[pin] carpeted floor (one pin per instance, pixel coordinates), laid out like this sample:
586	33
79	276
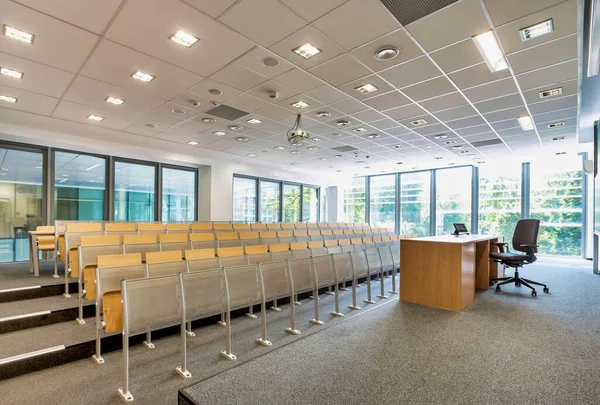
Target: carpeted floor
506	348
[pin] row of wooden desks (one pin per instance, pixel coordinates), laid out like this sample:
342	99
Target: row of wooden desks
444	271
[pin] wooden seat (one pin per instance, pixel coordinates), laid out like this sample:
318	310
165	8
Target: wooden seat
330	243
203	240
222	226
288	226
112	261
151	228
197	254
119	228
279	247
179	228
241	227
313	244
298	245
343	242
256	249
163	257
201	227
230	251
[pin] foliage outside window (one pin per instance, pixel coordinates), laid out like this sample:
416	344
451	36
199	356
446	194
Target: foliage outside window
269	201
291	203
499	200
244	199
310	204
355	201
178	195
383	201
453	198
556	200
415	206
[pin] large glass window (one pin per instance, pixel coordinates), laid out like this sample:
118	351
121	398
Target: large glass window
415	203
178	195
310	204
79	186
453	198
134	192
21	177
291	203
499	199
355	201
269	201
383	201
244	199
556	200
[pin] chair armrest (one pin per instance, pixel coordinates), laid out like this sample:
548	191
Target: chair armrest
501	246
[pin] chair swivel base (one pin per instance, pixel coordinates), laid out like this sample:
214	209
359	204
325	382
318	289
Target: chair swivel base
518	281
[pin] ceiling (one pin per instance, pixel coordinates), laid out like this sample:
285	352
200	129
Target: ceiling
84	52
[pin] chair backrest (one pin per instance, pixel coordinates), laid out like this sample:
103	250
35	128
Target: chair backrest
244	285
163	257
109	279
241	227
174	241
203	240
166	268
200	254
205	293
222	226
256	258
151	228
202	227
274	226
258	226
302	274
139	239
526	233
178	228
288	226
342	263
203	264
286	236
269	237
275	279
250	238
323	267
359	263
256	249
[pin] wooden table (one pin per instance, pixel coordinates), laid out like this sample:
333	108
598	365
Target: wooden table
443	271
34	258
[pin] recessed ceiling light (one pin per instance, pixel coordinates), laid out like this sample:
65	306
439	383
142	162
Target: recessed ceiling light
464	151
242	139
8	99
296	143
536	30
270	62
336	135
552	92
322	158
342	123
316	139
490	50
414	168
418	122
295	151
457	146
144	77
312	148
219	133
556	124
193	143
398	146
366	89
279	148
3	174
429	147
11	73
360	129
561	153
235	127
6	169
18	34
481	162
215	92
323	114
338	170
95	117
374	136
151	125
307	50
300	104
450	142
253	121
386	53
451	164
338	156
251	154
183	38
526	123
177	111
209	120
558	138
360	162
114	100
294	164
439	158
367	167
399	163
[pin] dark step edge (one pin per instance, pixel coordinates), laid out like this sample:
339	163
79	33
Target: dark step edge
57	316
32	292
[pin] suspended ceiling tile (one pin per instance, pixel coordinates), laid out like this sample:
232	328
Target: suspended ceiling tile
499	103
79	113
456	113
569	88
239	77
326	94
492	90
411	72
504	11
351	88
429	89
477	75
299	80
340	70
444	102
210	7
544	55
552	74
253	60
27	101
457	56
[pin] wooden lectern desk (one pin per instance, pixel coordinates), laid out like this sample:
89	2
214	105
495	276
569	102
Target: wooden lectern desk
443	271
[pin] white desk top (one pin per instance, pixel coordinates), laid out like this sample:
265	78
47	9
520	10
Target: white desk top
452	239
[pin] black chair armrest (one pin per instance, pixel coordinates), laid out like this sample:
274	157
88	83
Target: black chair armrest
501	246
530	248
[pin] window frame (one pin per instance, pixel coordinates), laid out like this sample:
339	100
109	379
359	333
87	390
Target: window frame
194	170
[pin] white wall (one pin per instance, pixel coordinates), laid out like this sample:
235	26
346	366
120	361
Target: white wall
217	168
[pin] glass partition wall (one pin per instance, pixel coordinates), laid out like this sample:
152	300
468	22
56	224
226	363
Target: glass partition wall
134	192
415	203
453	198
269	201
179	195
382	204
244	199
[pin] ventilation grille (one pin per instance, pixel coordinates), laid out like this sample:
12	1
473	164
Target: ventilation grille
487	142
344	149
227	113
407	11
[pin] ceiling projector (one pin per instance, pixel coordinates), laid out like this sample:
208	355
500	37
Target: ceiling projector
296	133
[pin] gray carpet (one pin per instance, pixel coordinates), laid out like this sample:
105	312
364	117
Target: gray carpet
16	275
505	348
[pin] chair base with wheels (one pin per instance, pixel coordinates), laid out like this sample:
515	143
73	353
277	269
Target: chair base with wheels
518	281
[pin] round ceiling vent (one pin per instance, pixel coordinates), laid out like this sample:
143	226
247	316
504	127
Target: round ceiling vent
215	92
387	53
270	62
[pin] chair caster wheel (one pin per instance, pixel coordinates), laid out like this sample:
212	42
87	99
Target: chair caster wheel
546	290
497	288
533	293
517	285
491	283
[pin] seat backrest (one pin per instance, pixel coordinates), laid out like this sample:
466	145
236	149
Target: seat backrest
241	227
201	227
256	249
373	260
359	263
321	251
222	227
244	285
151	227
334	250
302	274
203	240
256	258
526	233
130	239
177	228
204	293
274	227
109	279
342	263
172	237
323	267
250	238
275	279
204	264
288	226
163	257
199	254
166	268
258	226
300	225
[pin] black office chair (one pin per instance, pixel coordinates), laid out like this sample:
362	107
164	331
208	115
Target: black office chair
525	242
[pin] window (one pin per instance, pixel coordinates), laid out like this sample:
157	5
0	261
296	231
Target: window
79	186
21	179
499	199
244	199
355	200
134	192
178	195
453	198
383	201
310	204
415	203
269	201
291	203
556	200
